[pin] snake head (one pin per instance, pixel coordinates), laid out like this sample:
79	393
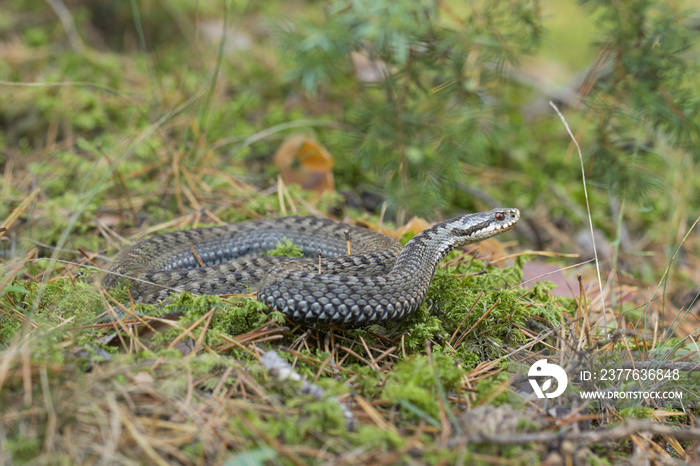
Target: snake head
470	228
437	241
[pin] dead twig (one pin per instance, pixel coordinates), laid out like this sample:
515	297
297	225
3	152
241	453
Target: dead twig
596	436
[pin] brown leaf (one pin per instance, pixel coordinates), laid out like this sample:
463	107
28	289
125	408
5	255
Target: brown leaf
415	226
306	162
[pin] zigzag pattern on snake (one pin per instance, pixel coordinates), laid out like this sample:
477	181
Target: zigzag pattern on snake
380	281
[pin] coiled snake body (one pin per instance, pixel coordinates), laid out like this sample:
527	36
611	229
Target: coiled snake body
380	281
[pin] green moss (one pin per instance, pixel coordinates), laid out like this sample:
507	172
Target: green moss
490	391
36	37
323	416
414	384
23	449
231	317
374	437
69	299
286	249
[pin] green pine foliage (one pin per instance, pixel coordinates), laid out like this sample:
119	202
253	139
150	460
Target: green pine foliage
445	97
435	104
644	97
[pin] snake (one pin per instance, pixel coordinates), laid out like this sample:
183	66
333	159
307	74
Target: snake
379	281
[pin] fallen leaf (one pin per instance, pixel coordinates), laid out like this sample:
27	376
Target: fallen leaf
304	161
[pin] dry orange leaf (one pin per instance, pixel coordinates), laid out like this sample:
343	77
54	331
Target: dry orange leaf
415	226
491	248
304	161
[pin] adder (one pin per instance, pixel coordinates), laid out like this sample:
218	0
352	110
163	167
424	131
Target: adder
380	281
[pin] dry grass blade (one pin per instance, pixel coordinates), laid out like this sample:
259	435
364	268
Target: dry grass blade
189	330
466	315
14	215
588	209
197	258
591	437
140	438
16	269
373	414
483	316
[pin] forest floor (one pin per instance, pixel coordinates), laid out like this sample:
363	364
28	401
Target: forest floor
108	151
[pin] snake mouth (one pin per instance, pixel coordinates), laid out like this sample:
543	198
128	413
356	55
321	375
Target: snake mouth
509	218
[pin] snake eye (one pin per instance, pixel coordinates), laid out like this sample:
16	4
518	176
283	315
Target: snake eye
500	216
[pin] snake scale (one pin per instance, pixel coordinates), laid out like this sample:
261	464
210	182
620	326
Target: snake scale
380	281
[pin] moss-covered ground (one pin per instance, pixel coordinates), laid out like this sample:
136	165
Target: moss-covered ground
122	120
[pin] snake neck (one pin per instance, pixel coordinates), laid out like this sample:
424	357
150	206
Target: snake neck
427	249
